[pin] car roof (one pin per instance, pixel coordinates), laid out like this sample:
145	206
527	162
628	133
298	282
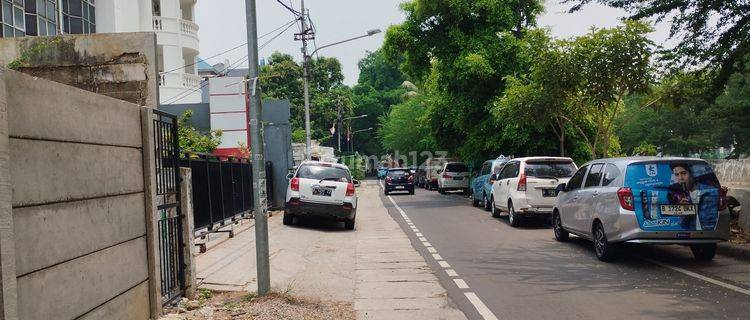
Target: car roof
541	158
398	169
323	163
624	161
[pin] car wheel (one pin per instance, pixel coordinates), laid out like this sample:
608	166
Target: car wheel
703	251
288	219
605	251
386	191
560	233
485	203
349	224
495	211
474	202
512	218
441	190
411	191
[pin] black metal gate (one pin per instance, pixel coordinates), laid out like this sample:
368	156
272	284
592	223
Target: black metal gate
171	242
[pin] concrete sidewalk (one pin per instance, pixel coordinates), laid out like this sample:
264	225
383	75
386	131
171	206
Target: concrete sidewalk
374	267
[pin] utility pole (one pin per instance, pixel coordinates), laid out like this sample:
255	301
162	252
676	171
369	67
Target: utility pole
252	88
339	120
304	37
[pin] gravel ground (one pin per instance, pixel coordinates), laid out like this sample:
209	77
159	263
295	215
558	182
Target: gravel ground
739	236
236	305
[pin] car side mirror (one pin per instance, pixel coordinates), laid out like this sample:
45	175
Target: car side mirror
561	188
356	183
493	178
290	176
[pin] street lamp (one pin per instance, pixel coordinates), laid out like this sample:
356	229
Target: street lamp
340	123
305	76
351	139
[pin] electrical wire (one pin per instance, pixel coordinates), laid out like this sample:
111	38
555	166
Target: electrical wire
236	64
233	48
289	8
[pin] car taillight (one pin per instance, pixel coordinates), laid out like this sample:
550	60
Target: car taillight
295	184
626	198
723	198
388	179
522	183
446	176
434	179
349	189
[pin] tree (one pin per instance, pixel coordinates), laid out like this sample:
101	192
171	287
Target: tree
191	140
404	130
733	109
711	34
459	53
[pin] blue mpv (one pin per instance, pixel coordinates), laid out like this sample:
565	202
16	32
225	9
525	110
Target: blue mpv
482	186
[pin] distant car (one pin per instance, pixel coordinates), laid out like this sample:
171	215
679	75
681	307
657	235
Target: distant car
526	187
322	189
399	179
454	176
382	172
482	184
432	167
644	200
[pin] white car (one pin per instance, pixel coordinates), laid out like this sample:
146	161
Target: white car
526	187
453	176
322	189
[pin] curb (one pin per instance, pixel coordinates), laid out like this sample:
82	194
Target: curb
741	252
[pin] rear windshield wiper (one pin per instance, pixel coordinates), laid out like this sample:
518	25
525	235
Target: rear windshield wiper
545	177
329	179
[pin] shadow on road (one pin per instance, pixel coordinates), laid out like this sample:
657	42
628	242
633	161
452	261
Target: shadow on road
320	224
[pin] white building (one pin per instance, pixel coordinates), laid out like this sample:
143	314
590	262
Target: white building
177	40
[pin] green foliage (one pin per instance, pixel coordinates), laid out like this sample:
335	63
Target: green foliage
404	129
356	164
710	34
37	51
282	79
299	136
645	149
191	140
733	109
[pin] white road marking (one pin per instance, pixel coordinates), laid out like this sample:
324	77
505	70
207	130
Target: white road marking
473	298
700	276
461	283
480	306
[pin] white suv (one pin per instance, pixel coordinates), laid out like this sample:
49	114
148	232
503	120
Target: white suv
525	187
453	176
322	189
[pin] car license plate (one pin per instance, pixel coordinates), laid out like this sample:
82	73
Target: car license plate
458	178
549	193
678	210
400	187
324	192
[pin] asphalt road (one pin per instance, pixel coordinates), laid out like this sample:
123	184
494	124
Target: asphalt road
492	270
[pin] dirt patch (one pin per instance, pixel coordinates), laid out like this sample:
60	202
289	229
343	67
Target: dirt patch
238	305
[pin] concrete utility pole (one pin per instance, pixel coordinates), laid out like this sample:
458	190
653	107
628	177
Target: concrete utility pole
252	87
306	76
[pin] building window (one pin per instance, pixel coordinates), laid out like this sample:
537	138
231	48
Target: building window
79	16
12	20
41	17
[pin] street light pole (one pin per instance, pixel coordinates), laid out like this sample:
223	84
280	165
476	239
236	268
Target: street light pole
351	139
306	64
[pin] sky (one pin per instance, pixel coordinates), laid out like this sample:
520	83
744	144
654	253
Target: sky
222	26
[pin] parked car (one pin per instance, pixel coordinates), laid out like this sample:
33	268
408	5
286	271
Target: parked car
454	176
322	189
525	187
381	173
482	184
399	179
419	177
432	168
644	200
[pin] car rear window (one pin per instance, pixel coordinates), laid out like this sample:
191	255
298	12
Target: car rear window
398	173
456	167
550	169
323	172
676	176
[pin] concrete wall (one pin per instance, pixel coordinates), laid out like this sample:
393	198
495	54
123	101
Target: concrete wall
735	174
79	202
122	65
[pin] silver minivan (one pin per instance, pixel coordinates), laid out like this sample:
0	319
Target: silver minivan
649	200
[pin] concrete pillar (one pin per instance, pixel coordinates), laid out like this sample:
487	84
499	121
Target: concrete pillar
146	14
152	218
188	225
8	291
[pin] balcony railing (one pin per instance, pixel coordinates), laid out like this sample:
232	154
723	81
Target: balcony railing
175	25
184	80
